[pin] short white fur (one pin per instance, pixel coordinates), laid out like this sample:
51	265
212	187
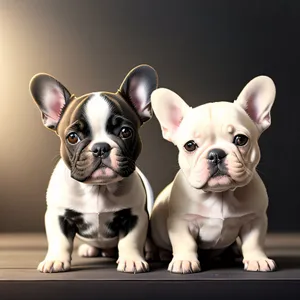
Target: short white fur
189	210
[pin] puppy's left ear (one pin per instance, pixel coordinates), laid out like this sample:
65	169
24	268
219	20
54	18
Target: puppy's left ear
257	99
137	88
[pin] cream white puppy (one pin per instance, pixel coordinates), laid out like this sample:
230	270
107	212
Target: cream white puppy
217	196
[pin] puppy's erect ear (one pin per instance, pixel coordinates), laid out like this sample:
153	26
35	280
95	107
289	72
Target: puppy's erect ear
170	110
51	97
257	99
137	87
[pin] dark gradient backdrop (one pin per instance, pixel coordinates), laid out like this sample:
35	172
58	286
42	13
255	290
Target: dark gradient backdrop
204	50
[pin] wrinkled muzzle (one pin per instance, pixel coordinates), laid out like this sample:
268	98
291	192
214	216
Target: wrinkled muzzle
101	163
218	170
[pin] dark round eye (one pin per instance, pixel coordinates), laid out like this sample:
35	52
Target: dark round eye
125	133
73	138
240	140
190	146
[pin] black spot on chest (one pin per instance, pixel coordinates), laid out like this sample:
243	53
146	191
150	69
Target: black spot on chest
73	222
122	223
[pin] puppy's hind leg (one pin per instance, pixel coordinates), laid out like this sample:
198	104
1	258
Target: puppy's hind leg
86	250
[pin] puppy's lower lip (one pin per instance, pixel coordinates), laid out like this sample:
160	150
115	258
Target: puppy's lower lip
102	171
98	173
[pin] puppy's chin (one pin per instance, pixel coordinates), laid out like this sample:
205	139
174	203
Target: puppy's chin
103	176
220	183
226	182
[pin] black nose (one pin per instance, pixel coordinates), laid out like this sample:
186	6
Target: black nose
215	156
101	149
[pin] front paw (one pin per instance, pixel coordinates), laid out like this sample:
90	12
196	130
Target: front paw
259	265
184	266
132	265
54	266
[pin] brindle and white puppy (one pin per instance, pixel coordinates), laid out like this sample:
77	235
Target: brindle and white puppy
96	191
217	196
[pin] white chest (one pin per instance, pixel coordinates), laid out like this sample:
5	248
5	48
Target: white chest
215	222
99	213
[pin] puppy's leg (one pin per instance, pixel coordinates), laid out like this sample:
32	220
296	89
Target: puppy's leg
131	246
252	237
60	235
184	246
86	250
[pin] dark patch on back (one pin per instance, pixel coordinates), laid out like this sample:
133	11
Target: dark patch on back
122	223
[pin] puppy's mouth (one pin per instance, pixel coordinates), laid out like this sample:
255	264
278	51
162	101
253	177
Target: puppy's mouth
219	178
102	170
103	174
95	173
218	172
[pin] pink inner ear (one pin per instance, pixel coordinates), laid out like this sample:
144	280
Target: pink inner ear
56	103
175	116
138	95
251	108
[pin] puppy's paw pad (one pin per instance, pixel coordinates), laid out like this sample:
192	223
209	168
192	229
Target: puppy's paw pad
86	250
184	266
132	265
260	265
54	266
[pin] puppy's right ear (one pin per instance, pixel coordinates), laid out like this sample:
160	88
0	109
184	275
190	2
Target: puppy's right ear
170	110
51	98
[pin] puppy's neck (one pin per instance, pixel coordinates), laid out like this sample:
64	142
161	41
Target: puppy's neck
122	186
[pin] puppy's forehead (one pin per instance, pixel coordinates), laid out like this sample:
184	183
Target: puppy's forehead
93	109
211	116
96	112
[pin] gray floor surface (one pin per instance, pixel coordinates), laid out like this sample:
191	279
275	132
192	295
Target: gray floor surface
21	253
